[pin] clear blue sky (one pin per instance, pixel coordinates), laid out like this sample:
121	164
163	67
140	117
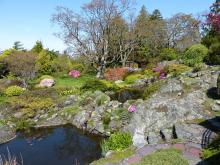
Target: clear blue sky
29	20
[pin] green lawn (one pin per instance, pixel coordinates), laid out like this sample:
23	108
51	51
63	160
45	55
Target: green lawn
73	82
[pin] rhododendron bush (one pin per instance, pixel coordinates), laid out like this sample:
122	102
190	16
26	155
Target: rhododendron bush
74	73
160	71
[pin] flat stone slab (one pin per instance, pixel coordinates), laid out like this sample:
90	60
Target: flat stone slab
146	150
6	134
181	147
133	159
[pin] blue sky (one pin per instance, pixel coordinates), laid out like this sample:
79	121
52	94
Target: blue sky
29	20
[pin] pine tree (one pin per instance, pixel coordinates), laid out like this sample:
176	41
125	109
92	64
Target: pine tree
38	47
18	45
156	15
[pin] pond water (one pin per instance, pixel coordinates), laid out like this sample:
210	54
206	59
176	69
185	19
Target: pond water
54	146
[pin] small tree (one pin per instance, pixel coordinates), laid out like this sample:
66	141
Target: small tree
38	47
45	62
18	45
195	55
22	64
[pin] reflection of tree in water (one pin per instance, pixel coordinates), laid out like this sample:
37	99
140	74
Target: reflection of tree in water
78	147
36	133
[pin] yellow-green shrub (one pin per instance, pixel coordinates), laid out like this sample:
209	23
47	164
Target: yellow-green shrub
14	91
176	69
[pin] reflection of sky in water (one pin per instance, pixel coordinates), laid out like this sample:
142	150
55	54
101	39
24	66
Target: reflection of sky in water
54	146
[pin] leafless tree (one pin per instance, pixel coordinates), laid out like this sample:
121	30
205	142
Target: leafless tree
182	31
88	33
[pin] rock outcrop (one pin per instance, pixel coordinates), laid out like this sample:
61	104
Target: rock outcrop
178	100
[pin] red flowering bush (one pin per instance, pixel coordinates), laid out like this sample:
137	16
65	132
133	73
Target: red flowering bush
74	73
116	74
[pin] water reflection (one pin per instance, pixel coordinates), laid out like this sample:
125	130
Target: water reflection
55	146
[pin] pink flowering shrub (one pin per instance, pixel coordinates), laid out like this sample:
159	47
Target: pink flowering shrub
74	73
161	72
132	108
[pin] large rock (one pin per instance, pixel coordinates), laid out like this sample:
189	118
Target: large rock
193	133
167	107
6	134
47	82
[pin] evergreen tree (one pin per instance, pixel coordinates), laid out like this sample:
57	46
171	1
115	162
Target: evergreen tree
38	47
156	15
18	45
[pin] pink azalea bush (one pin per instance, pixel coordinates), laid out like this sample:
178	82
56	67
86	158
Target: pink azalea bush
132	108
160	71
74	73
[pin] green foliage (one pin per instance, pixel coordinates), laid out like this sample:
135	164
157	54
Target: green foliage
102	99
212	152
214	54
66	92
94	85
29	105
38	47
133	77
218	84
72	110
6	53
176	69
149	73
164	157
45	63
115	157
122	113
61	64
116	142
151	89
73	82
106	118
18	45
168	54
22	124
195	55
14	91
3	69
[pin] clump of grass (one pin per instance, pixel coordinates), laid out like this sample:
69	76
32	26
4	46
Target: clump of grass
164	157
115	157
116	142
9	159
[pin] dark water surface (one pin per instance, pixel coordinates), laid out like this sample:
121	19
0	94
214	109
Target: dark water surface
54	146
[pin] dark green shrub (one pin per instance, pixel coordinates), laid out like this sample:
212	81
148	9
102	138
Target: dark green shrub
195	55
212	153
168	54
214	54
14	91
3	69
218	84
116	142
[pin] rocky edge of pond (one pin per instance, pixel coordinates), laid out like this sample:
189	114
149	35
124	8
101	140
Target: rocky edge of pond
166	115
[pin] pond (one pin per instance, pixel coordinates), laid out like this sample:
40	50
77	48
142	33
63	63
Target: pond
54	146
